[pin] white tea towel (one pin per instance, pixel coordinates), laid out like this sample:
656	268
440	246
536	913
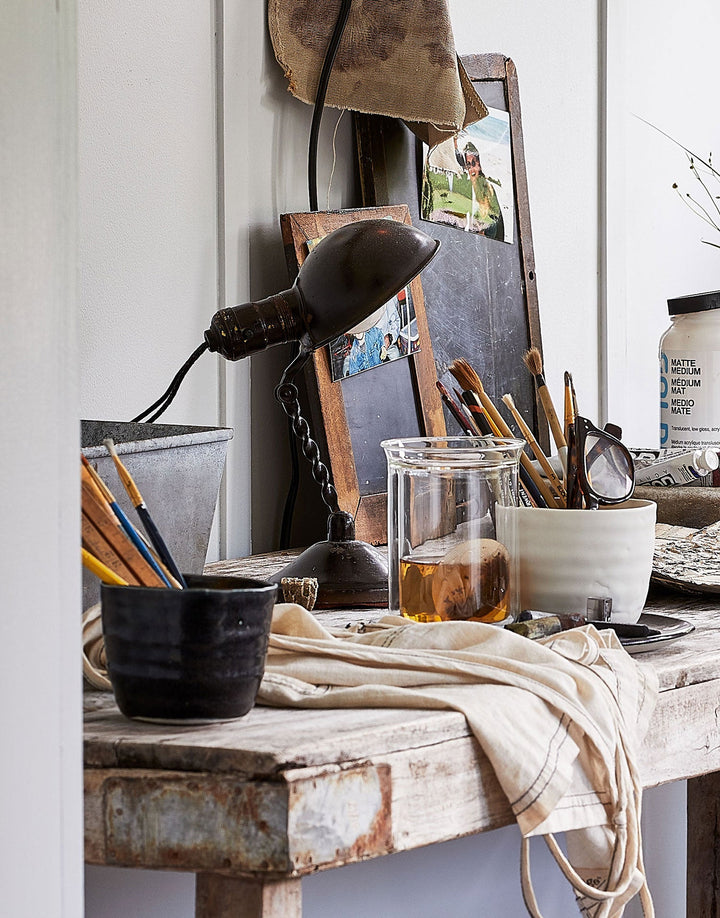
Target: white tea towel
568	765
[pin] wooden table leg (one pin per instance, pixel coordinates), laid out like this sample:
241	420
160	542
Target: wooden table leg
703	846
219	896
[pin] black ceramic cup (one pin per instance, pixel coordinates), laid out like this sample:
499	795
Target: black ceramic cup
187	656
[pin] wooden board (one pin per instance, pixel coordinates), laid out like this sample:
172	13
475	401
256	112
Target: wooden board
285	792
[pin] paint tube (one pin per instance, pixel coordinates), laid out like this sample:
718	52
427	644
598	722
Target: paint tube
666	468
644	457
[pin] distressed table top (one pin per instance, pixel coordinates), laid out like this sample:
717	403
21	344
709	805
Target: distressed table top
283	792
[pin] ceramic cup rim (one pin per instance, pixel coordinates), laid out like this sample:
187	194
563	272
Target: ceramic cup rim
632	503
240	585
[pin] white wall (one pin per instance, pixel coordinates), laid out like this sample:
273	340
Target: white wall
178	215
40	684
666	73
151	259
147	204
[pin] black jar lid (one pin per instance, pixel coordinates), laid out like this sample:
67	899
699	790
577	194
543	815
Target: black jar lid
697	302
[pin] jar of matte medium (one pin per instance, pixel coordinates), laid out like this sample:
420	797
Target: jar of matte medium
690	373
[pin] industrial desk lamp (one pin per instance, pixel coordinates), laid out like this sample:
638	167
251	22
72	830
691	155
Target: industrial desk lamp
348	275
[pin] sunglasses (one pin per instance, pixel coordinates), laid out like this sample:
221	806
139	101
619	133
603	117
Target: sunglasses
600	469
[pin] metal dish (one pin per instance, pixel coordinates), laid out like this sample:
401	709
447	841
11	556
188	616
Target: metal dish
670	630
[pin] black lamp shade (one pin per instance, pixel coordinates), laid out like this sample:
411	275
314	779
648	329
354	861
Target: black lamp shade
348	275
355	270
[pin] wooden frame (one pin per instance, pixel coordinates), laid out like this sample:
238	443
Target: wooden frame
401	396
473	282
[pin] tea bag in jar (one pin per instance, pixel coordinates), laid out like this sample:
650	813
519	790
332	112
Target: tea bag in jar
472	582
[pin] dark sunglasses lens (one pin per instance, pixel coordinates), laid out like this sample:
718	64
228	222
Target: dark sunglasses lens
608	468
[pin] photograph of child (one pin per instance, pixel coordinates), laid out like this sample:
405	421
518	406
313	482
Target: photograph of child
388	334
467	180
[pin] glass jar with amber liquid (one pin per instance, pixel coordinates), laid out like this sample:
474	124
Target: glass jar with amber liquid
451	546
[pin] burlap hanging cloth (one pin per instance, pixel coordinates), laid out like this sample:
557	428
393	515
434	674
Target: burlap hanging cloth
396	59
560	721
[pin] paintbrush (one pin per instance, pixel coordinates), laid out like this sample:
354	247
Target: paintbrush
473	419
533	361
455	410
145	518
528	493
553	480
569	407
469	379
474	406
105	538
472	386
573	398
130	530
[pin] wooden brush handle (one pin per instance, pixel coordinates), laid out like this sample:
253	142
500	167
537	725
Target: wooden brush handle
568	414
135	569
498	421
127	481
538	481
553	480
552	418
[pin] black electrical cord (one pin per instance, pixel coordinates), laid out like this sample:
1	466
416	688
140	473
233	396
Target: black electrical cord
163	403
293	487
320	94
327	66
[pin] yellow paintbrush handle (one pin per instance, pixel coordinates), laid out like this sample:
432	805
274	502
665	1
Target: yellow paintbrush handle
125	476
101	570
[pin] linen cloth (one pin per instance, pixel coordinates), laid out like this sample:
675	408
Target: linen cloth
567	763
395	59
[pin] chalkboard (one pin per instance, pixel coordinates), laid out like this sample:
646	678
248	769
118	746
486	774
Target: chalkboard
480	293
377	404
353	414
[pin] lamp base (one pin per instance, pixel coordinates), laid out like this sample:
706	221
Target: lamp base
350	573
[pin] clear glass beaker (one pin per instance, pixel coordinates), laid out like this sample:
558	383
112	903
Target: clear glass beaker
451	549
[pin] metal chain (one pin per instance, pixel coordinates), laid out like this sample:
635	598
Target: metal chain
287	394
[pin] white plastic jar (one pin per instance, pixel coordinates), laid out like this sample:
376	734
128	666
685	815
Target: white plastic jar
690	373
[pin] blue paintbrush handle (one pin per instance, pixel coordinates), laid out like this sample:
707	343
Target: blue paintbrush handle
138	542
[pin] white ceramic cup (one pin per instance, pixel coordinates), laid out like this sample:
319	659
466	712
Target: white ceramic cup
566	557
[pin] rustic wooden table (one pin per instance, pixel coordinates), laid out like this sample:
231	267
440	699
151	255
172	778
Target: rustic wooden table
252	806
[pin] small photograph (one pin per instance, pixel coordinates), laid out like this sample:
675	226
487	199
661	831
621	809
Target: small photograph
388	334
468	181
